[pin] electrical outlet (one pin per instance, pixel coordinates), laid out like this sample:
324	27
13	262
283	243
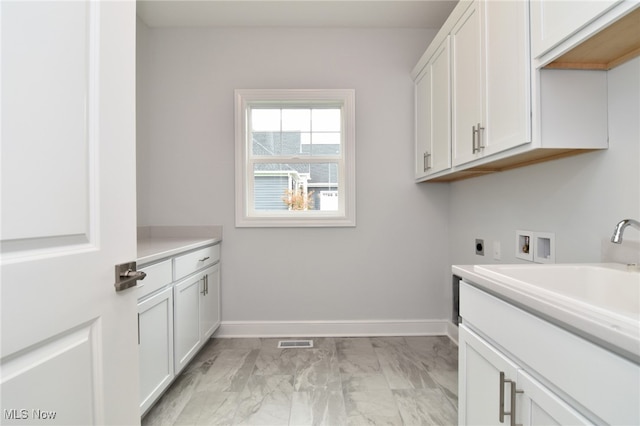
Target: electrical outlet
479	247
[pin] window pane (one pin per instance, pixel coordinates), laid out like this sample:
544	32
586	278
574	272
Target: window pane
322	145
327	139
326	120
265	120
291	143
266	143
296	120
296	138
276	143
306	186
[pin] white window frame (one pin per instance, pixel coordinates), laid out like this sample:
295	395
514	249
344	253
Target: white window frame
246	216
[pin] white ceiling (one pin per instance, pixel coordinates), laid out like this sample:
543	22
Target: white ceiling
296	13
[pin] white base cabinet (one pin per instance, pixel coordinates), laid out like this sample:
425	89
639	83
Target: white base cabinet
479	399
210	303
155	346
539	406
494	389
197	313
512	361
187	320
178	310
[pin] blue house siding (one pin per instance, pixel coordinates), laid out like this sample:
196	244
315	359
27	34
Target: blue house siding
269	191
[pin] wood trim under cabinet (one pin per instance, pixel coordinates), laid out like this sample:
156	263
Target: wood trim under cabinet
607	49
513	162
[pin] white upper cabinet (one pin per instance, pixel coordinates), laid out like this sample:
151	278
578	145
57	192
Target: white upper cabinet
433	114
506	111
596	35
507	79
491	79
441	109
466	47
554	21
423	122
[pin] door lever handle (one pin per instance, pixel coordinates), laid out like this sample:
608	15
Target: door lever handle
127	276
131	273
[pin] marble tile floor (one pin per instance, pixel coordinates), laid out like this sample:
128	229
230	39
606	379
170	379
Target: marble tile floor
340	381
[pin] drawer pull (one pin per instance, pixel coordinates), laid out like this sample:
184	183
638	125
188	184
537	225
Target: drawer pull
203	259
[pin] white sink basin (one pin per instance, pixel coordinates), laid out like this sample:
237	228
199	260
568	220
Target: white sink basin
610	288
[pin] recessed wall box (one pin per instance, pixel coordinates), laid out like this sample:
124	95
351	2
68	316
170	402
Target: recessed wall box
544	247
524	245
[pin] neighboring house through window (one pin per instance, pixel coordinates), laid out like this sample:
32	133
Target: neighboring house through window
295	162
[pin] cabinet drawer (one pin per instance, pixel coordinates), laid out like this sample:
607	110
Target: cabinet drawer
191	262
158	276
594	377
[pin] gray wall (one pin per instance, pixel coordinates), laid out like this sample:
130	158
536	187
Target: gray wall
396	263
580	198
393	265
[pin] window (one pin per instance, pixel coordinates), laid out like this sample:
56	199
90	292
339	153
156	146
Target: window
295	162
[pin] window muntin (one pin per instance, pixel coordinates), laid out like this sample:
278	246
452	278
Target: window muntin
295	158
295	131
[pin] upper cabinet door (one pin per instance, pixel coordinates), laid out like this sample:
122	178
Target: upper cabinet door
466	85
441	109
433	114
423	122
507	79
552	21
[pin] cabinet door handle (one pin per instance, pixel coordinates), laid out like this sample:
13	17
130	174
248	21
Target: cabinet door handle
425	160
480	132
204	286
473	139
512	414
501	402
476	138
514	391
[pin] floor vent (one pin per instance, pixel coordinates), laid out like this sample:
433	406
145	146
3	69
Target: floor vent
298	344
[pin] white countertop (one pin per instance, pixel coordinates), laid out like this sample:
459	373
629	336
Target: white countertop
618	335
151	249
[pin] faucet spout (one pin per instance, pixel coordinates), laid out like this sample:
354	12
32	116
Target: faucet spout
620	227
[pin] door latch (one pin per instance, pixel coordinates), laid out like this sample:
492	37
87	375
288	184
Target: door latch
127	276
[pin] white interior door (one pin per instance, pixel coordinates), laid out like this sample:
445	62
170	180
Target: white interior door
69	341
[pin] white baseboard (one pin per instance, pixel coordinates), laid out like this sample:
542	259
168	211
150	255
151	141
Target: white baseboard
336	328
452	332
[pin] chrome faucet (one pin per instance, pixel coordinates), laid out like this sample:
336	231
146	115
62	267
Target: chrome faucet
619	230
